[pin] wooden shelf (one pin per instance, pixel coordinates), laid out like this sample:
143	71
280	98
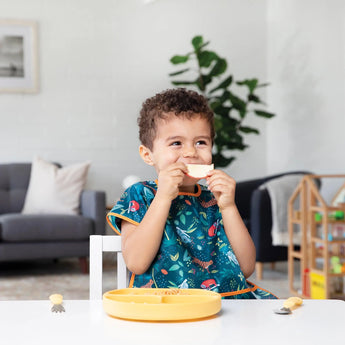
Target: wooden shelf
321	209
315	270
296	255
317	240
322	282
330	221
296	221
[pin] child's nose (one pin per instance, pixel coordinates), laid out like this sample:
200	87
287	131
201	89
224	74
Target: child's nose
189	151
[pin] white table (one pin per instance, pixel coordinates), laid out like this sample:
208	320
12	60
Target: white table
239	322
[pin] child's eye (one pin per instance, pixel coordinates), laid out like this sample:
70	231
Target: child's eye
201	142
175	143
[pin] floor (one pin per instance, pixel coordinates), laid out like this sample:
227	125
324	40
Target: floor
38	280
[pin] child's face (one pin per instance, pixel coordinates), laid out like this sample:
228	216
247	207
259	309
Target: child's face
181	140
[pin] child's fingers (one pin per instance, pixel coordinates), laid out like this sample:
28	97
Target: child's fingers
181	166
215	174
222	188
176	170
223	185
226	181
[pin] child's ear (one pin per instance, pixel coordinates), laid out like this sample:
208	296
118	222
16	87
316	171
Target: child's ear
146	154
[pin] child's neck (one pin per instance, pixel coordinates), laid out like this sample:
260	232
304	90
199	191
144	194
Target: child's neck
188	189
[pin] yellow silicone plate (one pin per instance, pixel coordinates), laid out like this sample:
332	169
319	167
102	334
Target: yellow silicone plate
161	304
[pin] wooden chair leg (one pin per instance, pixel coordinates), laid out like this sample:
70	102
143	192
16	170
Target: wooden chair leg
273	266
84	265
259	266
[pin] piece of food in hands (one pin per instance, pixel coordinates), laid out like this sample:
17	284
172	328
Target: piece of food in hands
199	171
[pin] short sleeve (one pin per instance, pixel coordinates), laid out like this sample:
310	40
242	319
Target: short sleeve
131	207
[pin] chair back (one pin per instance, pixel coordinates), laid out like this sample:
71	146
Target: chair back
98	245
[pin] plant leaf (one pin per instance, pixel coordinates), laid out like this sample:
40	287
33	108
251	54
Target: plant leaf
179	72
221	110
229	141
263	85
219	68
179	59
202	81
183	82
224	84
250	83
254	98
238	104
206	57
225	96
263	113
221	161
245	129
197	42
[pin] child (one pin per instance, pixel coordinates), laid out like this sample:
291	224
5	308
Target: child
175	232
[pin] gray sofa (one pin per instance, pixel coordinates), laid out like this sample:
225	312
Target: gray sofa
43	236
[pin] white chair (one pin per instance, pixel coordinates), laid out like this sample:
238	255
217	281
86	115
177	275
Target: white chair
98	245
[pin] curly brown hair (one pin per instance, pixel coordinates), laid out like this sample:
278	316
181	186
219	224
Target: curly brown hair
181	102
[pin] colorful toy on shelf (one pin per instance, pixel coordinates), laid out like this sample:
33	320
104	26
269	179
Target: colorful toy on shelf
337	215
336	265
317	286
338	231
318	217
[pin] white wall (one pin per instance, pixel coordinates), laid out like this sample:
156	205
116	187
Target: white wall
100	59
306	66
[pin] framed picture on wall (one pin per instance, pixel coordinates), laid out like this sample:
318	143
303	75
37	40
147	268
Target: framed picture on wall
18	56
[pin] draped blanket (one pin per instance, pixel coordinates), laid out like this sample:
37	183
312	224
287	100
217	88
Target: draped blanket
280	191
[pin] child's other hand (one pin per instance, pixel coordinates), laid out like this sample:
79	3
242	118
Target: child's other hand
223	188
170	179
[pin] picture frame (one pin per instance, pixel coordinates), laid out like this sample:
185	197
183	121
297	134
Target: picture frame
18	56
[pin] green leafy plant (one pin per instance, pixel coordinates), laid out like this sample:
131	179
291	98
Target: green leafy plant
206	73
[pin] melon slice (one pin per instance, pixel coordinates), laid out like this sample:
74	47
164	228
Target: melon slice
199	171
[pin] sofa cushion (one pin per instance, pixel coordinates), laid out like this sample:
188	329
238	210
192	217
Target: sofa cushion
17	227
53	189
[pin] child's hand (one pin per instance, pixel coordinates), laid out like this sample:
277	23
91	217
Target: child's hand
170	179
223	188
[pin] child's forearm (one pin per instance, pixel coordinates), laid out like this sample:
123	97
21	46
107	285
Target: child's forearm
140	243
239	239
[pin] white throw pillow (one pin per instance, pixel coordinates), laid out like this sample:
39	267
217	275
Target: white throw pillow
53	189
